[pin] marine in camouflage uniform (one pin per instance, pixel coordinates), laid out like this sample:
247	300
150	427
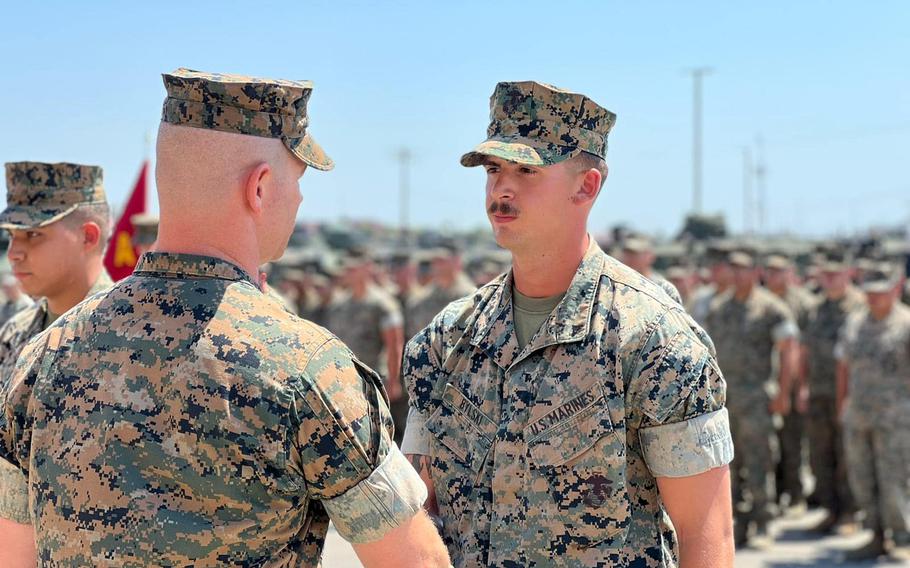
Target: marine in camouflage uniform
11	307
748	323
638	253
185	418
145	231
449	284
547	453
361	316
781	282
718	258
874	354
826	450
39	195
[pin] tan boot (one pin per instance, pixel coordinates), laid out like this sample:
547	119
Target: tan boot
869	551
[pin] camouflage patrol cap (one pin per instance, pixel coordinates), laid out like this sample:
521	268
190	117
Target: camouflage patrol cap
865	264
678	273
718	252
270	108
38	194
638	244
741	259
833	266
540	125
145	228
882	278
778	262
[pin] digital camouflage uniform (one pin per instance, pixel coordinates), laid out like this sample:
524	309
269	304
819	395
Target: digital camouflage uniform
359	323
826	449
185	418
637	244
10	308
745	334
547	455
793	426
667	286
877	415
423	306
38	194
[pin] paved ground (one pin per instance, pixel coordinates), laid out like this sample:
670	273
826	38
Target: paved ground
794	547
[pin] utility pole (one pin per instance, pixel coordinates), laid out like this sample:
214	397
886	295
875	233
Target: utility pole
761	172
698	74
748	172
404	167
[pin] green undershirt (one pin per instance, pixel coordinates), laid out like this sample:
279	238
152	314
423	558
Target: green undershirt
530	313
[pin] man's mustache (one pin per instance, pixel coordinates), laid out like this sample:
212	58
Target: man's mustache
503	208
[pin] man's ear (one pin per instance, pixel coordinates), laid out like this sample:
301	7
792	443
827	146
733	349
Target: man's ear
254	186
589	188
91	235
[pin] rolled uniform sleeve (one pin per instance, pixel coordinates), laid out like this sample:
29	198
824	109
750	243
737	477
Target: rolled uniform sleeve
846	337
680	394
15	437
786	329
391	315
13	494
344	449
416	436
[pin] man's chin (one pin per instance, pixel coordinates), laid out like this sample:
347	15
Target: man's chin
33	289
504	237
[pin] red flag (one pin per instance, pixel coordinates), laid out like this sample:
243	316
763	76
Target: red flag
121	255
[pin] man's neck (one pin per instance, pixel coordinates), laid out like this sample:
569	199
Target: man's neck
742	293
881	315
358	290
183	240
836	295
779	291
77	289
541	273
446	282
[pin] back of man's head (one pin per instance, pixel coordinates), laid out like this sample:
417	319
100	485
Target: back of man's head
230	151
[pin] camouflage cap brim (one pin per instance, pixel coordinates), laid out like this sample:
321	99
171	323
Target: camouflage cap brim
833	267
878	287
309	152
22	217
519	152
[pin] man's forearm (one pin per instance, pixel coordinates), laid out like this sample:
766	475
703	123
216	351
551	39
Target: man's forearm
787	356
422	464
706	551
17	545
843	388
394	348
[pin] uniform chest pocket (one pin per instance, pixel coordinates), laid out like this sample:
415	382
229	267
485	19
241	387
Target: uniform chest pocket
462	429
580	454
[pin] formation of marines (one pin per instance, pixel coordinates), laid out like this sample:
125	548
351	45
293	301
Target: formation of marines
553	401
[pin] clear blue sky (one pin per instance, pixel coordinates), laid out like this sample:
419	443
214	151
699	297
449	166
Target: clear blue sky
825	84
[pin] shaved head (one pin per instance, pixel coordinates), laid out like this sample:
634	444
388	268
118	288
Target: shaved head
221	191
197	166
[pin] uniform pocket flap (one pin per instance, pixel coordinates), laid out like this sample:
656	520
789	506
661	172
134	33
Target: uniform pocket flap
460	426
570	430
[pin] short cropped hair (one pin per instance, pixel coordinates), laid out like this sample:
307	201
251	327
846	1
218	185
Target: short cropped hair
585	161
97	213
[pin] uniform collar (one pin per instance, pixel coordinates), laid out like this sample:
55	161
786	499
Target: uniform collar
179	265
102	283
570	320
